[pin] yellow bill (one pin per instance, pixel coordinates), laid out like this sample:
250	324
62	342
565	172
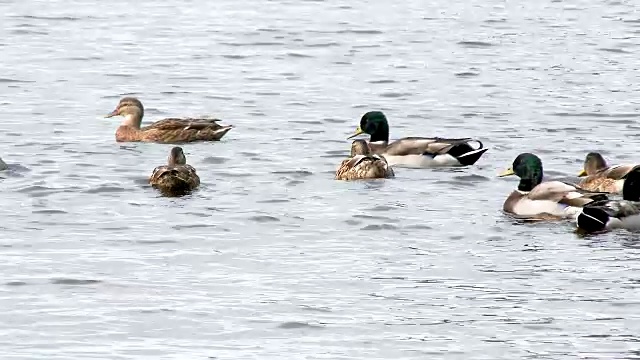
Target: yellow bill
582	173
358	132
507	172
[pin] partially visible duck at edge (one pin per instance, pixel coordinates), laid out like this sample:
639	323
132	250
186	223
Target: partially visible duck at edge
363	164
606	215
170	131
3	165
417	152
177	178
536	199
596	175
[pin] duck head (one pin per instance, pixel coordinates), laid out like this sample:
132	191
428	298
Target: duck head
131	109
593	162
176	157
375	124
528	167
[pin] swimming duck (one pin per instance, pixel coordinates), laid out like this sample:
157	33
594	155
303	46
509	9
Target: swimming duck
598	176
176	178
172	130
363	164
614	214
3	165
535	199
417	152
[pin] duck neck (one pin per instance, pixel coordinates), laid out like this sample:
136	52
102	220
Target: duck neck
527	184
381	134
133	119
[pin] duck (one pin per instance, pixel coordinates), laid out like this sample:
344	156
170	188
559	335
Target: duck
168	131
3	165
596	175
603	215
363	164
543	200
177	177
417	152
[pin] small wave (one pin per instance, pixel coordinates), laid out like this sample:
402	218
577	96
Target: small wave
70	281
475	44
298	325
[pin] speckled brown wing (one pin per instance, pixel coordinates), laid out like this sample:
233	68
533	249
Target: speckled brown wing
600	184
176	130
174	180
364	167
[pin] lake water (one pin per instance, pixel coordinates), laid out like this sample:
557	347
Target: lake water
272	258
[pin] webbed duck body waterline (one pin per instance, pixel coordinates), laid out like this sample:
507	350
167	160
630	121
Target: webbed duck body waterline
177	177
363	164
169	131
417	152
597	175
543	200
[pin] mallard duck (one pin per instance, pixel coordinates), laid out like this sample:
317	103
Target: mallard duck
609	214
170	131
3	165
417	152
363	164
598	176
176	178
543	200
612	214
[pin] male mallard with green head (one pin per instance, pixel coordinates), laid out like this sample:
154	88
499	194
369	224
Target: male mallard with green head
363	164
536	199
598	176
614	214
170	131
177	177
416	152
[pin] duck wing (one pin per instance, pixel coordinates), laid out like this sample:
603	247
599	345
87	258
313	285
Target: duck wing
421	146
564	193
173	124
617	171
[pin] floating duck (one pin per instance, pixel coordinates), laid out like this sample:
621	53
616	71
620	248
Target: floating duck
596	175
177	177
535	199
172	130
363	164
417	152
605	215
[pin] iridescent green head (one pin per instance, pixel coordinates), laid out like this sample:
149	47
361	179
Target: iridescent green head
375	124
528	167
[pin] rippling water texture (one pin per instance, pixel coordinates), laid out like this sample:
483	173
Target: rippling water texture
271	258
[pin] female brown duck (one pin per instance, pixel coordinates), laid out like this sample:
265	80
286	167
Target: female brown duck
176	178
597	175
172	130
363	164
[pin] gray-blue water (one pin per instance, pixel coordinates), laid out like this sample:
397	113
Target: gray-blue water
272	258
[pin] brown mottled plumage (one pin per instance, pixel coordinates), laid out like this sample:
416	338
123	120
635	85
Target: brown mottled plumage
598	176
363	164
176	178
169	131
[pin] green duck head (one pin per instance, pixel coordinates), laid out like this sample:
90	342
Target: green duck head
528	167
375	124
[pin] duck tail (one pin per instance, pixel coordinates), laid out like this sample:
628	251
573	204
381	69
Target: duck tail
466	154
631	186
592	219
